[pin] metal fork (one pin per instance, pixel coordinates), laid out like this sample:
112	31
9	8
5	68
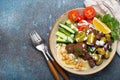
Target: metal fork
40	45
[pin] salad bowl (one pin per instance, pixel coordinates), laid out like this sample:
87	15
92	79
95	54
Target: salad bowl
53	43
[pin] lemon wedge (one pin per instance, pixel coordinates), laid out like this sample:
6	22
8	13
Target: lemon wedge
100	26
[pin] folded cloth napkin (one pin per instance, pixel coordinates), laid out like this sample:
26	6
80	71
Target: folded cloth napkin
111	7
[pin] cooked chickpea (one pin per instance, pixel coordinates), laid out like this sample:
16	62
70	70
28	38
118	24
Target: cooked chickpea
66	56
74	63
63	51
80	64
63	58
77	66
63	54
70	58
67	61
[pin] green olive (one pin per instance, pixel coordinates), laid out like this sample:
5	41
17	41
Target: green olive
90	39
100	61
95	56
107	36
101	51
103	39
80	36
107	54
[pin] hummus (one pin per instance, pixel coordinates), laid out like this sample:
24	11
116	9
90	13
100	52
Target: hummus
70	60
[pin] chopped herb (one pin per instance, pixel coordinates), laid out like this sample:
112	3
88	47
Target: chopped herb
91	50
99	16
106	18
78	50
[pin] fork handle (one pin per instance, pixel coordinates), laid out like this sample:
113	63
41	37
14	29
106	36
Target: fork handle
53	70
60	70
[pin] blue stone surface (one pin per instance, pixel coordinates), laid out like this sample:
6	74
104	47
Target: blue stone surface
18	59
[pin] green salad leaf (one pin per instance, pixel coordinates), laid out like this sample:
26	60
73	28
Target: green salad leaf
112	23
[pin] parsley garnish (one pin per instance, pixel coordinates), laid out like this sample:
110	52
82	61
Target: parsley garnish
78	50
112	23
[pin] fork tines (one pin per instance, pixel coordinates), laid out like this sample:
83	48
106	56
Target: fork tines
35	37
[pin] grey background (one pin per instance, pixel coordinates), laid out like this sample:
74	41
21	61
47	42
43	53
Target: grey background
18	59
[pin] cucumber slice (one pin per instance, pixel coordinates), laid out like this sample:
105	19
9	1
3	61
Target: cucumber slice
65	37
60	40
70	39
62	35
68	22
71	25
64	31
67	28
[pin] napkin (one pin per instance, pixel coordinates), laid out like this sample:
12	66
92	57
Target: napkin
111	7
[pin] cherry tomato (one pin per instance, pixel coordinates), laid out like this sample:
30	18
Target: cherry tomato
89	12
85	28
80	28
89	20
80	21
73	15
81	17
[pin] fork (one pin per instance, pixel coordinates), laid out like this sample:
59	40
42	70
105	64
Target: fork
40	45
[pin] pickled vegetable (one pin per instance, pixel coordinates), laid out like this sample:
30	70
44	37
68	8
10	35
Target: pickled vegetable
80	36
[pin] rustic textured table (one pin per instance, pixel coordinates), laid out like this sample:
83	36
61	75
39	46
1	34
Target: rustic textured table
18	59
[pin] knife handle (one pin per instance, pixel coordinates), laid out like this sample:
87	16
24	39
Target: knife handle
60	70
53	70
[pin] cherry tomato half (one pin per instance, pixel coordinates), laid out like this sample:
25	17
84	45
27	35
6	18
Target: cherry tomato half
81	17
80	28
73	15
89	20
89	12
83	28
